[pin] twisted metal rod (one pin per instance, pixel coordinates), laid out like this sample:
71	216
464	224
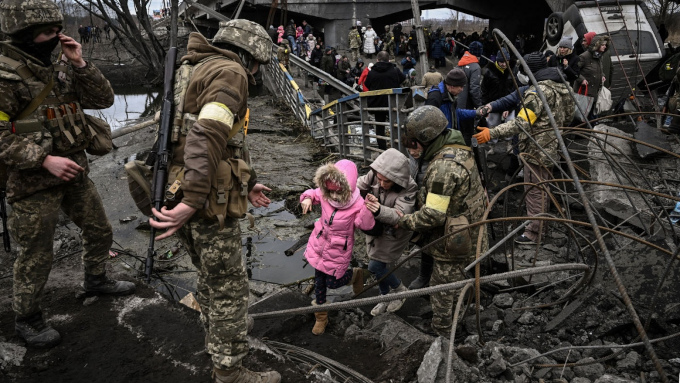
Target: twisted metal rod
591	218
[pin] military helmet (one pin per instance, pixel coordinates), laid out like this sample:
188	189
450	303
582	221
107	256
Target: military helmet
425	124
16	15
247	35
387	27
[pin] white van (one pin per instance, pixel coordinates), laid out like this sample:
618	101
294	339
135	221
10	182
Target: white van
637	46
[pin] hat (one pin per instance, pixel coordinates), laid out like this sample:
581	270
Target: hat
358	23
502	55
432	68
588	38
566	42
476	48
456	77
535	61
370	65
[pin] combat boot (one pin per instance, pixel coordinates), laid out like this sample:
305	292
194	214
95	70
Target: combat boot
395	305
241	374
100	284
423	280
357	281
35	332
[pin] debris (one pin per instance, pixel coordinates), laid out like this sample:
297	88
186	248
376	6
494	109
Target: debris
128	219
190	301
90	301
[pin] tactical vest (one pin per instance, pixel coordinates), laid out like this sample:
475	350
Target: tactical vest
60	114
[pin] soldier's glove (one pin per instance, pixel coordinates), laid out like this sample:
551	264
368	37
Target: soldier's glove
483	136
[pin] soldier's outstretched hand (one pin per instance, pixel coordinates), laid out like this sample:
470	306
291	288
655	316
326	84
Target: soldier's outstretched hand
257	197
171	220
72	50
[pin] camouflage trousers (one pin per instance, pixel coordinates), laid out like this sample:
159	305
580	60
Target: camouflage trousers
389	48
222	287
32	224
354	52
444	302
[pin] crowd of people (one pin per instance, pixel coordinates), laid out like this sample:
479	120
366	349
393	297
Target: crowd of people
433	189
93	33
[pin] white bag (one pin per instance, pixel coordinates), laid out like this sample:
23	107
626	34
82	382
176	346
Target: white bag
583	105
604	100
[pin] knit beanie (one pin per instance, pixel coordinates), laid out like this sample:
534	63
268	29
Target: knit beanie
535	61
566	42
501	55
476	48
588	38
456	77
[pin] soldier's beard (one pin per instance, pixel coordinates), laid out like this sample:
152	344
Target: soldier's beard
42	51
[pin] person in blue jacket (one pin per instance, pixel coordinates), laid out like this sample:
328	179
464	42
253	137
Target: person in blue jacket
444	95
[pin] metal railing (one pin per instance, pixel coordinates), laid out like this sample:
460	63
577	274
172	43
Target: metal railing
283	85
349	130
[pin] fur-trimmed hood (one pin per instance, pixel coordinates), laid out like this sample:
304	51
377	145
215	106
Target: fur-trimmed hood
343	173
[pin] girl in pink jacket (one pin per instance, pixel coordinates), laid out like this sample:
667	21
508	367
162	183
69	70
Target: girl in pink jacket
330	245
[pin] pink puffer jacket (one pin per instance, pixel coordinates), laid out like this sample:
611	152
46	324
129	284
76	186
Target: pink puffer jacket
331	243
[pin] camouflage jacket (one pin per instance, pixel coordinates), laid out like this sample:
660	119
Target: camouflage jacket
283	55
562	107
354	39
389	40
23	154
451	188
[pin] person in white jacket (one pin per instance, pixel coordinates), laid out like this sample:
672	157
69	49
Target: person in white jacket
369	44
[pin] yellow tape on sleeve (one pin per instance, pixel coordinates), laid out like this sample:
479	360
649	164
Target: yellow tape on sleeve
218	112
4	116
527	115
437	202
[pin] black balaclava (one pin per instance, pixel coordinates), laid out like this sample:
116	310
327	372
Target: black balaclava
42	51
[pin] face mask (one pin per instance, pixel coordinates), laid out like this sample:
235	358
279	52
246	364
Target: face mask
42	51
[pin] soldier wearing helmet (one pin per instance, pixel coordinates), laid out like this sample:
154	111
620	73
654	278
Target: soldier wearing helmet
211	147
43	135
450	195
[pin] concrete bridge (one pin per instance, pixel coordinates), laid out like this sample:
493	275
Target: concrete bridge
334	17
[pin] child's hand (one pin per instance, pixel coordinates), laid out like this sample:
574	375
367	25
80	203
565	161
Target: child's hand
306	205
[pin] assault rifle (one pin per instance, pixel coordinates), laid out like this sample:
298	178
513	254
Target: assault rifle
3	216
160	154
480	159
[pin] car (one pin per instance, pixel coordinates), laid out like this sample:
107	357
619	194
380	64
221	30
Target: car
637	46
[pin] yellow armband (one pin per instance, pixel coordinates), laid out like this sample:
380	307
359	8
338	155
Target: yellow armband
437	202
4	116
527	115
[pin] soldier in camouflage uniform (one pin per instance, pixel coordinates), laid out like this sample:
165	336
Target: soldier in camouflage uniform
531	120
354	39
451	188
42	146
283	54
215	106
388	38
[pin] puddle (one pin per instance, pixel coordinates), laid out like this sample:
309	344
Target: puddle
264	251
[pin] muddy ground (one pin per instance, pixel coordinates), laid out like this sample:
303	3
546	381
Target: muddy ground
150	337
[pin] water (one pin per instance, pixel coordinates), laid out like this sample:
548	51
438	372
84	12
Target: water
265	258
130	104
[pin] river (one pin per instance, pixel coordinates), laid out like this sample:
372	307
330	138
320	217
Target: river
130	104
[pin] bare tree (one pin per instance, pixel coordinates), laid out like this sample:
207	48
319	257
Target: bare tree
662	9
134	32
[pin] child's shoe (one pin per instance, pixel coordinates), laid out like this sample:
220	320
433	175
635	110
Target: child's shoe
395	305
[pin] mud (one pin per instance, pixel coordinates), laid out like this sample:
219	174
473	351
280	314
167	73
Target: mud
150	337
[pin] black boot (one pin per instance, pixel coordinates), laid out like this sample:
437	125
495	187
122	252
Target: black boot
100	284
423	280
35	332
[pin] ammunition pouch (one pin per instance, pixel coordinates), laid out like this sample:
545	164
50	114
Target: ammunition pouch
101	142
457	245
229	191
